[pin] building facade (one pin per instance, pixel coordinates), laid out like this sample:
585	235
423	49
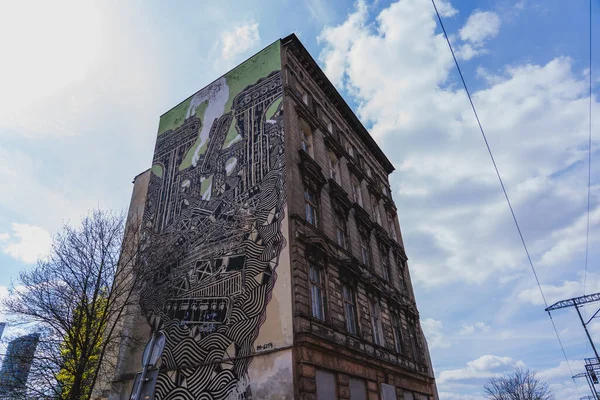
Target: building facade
287	276
16	365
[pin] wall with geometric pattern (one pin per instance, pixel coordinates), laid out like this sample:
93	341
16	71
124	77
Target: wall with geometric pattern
217	201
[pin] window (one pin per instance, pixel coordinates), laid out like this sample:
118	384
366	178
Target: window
358	389
317	293
326	387
385	264
376	323
365	250
327	122
310	206
303	94
334	168
401	266
413	339
340	230
349	309
392	227
376	210
307	140
397	330
384	189
356	192
368	170
350	149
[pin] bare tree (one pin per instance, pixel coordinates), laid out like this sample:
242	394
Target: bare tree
76	299
518	385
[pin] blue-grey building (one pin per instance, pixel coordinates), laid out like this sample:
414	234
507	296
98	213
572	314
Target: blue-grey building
16	365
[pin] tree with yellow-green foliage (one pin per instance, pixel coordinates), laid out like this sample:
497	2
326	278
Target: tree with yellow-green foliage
76	298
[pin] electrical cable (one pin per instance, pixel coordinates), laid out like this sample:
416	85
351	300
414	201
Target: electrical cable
502	185
587	229
587	233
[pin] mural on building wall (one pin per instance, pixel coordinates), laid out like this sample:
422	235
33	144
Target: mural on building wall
216	200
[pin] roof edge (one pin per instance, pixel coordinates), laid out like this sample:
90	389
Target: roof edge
341	104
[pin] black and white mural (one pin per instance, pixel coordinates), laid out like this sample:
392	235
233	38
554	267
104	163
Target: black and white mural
216	203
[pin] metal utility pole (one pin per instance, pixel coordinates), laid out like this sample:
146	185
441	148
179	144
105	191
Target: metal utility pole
585	375
592	368
578	302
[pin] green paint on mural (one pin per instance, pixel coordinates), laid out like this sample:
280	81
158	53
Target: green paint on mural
174	118
157	170
232	135
249	72
242	76
189	156
273	108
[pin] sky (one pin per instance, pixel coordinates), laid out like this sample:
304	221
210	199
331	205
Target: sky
84	83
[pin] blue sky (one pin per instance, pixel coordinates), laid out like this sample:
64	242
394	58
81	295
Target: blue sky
83	85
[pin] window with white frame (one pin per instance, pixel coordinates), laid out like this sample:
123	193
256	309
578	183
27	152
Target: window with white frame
307	139
357	192
334	168
397	331
310	206
392	228
350	149
317	292
365	249
341	230
378	338
385	264
414	340
401	266
349	308
327	122
376	210
303	93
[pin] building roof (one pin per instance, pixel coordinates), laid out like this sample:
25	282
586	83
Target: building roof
336	98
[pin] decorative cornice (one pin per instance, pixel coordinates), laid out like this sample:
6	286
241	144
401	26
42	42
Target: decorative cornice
382	236
389	206
354	169
312	174
339	198
373	188
335	146
362	218
305	59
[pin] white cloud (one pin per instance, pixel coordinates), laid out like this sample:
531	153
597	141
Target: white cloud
483	367
477	326
566	290
480	26
239	40
319	10
26	243
433	332
55	79
459	227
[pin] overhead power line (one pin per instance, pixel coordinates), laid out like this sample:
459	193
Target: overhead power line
502	185
587	232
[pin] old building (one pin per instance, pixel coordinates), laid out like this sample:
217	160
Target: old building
290	278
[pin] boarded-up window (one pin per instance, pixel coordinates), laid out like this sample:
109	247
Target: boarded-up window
408	395
388	392
358	390
325	385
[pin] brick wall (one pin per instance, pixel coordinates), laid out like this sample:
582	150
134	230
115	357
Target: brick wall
331	346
